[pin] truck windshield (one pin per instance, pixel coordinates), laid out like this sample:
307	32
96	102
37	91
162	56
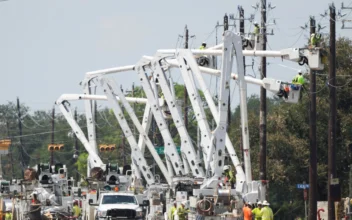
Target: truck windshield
118	199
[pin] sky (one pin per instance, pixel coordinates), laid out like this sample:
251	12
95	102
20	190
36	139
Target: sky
46	47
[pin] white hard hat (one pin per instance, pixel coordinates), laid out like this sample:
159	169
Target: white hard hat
255	23
259	203
184	203
299	71
312	34
266	203
226	167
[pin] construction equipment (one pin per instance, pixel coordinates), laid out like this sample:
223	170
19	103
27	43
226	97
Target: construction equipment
187	177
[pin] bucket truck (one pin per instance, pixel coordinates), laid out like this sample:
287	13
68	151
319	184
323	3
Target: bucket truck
214	142
137	156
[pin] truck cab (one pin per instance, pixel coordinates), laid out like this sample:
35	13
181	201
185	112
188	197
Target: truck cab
117	205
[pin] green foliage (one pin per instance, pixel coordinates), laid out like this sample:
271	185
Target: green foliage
81	164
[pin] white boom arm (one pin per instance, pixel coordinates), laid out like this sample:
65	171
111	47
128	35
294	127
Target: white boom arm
93	159
170	147
138	158
187	66
90	116
75	97
187	150
219	134
308	56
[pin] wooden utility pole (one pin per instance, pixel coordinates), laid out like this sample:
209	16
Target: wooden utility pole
241	19
226	28
333	113
242	32
52	135
22	161
262	116
313	143
185	100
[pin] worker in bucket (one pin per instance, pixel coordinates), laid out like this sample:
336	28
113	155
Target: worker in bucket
256	31
203	60
203	46
298	81
182	211
315	40
230	176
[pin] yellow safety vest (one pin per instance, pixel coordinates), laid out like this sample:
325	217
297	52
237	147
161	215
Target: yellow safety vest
257	214
76	211
267	213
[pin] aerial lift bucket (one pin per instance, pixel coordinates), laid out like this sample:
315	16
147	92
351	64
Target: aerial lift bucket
293	93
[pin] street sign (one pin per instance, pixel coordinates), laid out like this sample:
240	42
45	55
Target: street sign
160	150
302	186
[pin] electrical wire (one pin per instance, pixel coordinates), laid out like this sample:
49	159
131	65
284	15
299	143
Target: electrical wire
210	34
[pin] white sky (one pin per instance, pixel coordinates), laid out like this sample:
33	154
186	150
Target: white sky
47	46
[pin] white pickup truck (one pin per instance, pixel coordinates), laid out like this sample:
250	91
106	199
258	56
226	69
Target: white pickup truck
118	205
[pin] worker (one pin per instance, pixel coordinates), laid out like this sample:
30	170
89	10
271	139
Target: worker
247	211
299	79
181	211
230	176
256	31
315	40
76	209
266	212
203	60
8	215
203	46
172	211
256	211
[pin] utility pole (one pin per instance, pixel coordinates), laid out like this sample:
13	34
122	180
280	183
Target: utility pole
242	32
262	116
52	135
185	100
313	142
333	113
22	162
241	18
226	28
76	145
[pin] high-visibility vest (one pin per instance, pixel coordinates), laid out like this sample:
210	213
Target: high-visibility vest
256	30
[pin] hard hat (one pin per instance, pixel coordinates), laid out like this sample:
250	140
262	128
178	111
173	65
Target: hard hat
259	203
312	34
226	167
266	203
299	71
255	23
184	203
